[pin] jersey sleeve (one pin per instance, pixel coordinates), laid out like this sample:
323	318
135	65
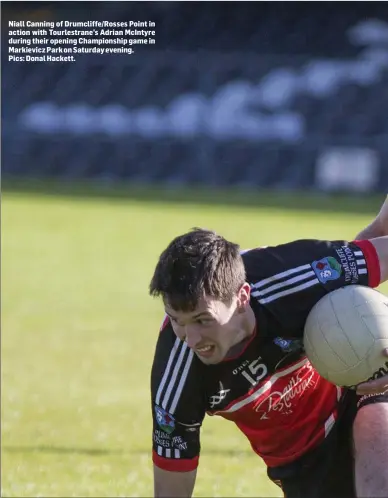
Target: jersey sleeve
289	279
178	407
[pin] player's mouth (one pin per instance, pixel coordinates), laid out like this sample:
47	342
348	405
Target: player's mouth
205	351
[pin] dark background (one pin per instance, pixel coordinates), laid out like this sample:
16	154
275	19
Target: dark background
249	94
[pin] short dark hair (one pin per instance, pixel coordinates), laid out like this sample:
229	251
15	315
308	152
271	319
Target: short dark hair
197	264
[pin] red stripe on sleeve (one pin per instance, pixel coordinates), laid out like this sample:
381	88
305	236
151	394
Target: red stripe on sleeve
165	322
174	465
372	262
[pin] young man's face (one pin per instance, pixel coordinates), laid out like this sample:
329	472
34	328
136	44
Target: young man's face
214	327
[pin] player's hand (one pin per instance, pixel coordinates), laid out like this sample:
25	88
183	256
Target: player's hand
377	386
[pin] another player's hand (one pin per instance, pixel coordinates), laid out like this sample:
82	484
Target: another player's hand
377	386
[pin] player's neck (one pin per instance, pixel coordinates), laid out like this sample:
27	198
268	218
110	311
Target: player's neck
249	322
248	328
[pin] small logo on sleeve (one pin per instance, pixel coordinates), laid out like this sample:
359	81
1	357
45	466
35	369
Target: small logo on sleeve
289	345
327	269
165	421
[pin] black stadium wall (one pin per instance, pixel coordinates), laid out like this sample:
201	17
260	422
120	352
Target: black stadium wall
281	95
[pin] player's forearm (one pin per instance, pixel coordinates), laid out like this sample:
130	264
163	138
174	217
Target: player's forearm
379	225
375	229
173	484
381	246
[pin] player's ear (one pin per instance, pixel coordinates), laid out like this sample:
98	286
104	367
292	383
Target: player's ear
244	295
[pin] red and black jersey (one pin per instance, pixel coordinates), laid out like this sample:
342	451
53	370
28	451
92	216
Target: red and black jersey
270	391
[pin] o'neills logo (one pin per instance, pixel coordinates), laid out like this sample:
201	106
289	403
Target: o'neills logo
283	401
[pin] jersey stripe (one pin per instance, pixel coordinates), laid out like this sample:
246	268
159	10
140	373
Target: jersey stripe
305	273
286	283
329	424
339	393
174	376
182	382
268	385
287	292
281	275
174	350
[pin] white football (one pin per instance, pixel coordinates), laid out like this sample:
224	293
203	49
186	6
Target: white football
345	335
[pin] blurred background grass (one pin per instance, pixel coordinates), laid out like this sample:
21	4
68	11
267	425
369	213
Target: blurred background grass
79	329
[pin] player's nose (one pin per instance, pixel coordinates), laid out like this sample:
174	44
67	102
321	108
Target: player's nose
192	336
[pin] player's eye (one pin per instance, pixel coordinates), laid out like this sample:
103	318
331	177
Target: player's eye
204	321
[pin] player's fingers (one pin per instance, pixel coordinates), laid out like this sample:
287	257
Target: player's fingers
373	387
374	384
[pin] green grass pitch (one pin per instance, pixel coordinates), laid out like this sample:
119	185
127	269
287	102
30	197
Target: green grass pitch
78	330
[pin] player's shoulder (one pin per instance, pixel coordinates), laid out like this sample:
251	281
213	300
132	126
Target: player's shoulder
169	348
288	247
176	372
165	324
266	260
166	335
275	264
259	261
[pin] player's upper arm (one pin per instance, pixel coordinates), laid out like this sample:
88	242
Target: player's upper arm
173	484
177	404
292	278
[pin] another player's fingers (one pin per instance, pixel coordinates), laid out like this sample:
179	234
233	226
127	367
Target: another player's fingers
373	387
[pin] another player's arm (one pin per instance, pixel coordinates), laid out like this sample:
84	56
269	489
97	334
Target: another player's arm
381	246
377	233
378	227
372	231
173	484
